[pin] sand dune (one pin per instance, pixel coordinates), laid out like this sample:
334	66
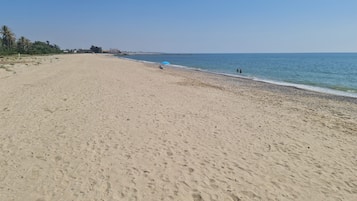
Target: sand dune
95	127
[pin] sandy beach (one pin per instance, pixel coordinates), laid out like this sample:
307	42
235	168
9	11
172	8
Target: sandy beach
95	127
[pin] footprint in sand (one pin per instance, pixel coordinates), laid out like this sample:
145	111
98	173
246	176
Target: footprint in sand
197	197
34	173
3	175
235	198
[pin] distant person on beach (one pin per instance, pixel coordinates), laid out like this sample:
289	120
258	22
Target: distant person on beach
161	67
239	70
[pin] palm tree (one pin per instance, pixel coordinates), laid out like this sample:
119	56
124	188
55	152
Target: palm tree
8	38
23	45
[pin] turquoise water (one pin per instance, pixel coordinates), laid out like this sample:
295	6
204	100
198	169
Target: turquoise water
334	73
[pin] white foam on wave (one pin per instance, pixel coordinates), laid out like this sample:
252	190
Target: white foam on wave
311	88
299	86
188	68
141	61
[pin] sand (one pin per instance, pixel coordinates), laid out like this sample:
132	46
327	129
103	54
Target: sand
95	127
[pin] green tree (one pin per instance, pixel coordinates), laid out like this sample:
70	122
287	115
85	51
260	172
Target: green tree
8	38
23	45
9	45
39	47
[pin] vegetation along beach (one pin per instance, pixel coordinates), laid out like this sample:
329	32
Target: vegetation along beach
137	101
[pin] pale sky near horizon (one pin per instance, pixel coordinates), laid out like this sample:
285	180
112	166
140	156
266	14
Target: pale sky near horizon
188	26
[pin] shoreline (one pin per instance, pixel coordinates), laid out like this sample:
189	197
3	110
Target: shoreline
315	89
87	126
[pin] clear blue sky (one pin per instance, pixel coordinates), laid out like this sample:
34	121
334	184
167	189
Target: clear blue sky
188	25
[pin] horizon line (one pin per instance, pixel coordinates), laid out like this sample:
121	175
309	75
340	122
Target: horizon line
148	52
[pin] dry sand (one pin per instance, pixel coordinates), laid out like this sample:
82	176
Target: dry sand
95	127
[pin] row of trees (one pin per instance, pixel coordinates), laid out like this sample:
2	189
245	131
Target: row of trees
9	44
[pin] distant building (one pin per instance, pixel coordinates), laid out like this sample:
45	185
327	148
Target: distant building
96	49
84	51
114	51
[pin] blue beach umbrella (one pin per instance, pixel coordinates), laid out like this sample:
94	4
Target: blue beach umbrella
165	63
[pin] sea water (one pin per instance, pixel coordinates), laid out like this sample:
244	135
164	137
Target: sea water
334	73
